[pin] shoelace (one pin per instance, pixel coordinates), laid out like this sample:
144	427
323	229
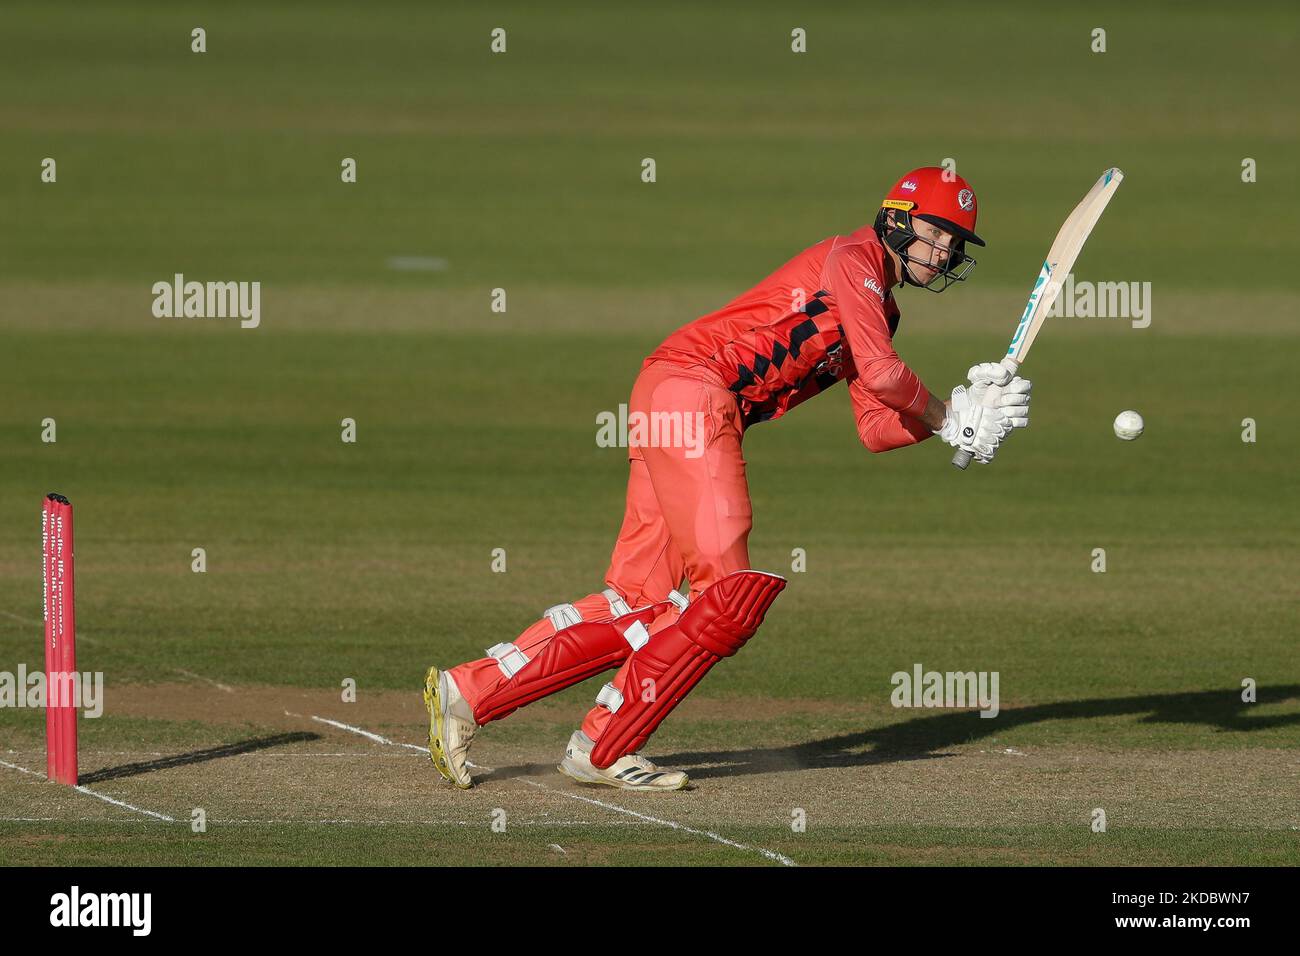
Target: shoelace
643	762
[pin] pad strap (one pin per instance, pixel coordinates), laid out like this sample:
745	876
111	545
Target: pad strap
617	606
509	658
562	616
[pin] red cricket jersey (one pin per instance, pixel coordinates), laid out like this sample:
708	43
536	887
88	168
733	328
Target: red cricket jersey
822	317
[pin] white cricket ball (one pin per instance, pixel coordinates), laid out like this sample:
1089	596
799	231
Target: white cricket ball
1128	425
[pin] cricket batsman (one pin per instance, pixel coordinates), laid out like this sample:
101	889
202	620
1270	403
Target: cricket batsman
827	314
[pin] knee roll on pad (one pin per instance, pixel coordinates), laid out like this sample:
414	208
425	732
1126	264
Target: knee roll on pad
576	652
662	672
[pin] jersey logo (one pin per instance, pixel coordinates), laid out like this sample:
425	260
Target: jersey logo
874	286
833	364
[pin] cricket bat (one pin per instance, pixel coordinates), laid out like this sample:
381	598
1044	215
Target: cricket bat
1060	260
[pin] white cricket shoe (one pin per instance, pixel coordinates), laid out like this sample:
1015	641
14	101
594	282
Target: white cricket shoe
629	772
451	727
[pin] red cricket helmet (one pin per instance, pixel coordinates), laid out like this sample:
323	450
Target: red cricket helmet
937	196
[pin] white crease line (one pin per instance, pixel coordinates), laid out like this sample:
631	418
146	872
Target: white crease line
252	755
414	823
103	753
118	803
207	680
769	854
100	796
367	734
378	738
295	756
293	821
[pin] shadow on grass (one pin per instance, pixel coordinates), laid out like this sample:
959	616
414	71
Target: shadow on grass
926	737
196	756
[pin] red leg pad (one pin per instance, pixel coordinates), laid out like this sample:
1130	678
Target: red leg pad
575	653
663	672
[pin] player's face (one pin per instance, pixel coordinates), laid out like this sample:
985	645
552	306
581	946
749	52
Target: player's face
929	257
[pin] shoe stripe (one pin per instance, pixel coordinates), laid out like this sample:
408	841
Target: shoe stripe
652	778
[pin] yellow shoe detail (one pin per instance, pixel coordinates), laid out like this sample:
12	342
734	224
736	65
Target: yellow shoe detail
437	752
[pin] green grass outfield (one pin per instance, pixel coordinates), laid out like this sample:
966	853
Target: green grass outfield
369	561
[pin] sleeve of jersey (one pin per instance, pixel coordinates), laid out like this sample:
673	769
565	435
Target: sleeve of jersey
879	427
862	315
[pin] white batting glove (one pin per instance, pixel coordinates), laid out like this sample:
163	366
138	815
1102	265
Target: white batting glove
971	426
1010	401
1013	402
988	373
